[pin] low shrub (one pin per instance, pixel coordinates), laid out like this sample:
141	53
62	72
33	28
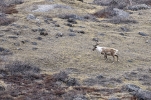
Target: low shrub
6	21
121	4
105	13
8	9
116	20
18	67
4	51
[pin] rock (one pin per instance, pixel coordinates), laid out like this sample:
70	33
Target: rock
131	88
72	34
148	41
71	30
34	30
4	51
2	14
138	7
121	13
71	16
19	49
102	2
46	8
90	82
70	25
72	82
34	48
101	34
24	41
41	29
71	20
17	32
143	95
124	29
59	35
43	33
3	73
113	98
82	32
114	3
100	77
50	0
57	25
34	43
31	17
39	38
61	76
79	97
130	60
1	35
113	13
2	88
143	34
95	39
122	34
80	0
140	13
47	20
17	44
16	25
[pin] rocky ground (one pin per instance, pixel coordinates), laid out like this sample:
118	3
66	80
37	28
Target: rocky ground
46	50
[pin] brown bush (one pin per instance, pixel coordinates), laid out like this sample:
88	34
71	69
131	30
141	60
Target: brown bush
105	13
8	9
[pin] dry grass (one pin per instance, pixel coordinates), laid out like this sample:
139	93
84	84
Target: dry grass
55	54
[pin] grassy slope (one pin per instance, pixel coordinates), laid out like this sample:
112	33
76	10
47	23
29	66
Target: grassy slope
56	54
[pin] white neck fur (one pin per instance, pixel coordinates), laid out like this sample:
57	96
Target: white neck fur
98	48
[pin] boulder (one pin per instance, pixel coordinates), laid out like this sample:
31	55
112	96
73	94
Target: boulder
131	88
143	95
120	13
138	7
143	34
31	17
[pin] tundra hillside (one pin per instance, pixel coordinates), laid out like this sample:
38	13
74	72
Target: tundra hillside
46	50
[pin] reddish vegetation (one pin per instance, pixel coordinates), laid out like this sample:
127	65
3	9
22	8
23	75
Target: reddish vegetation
101	14
26	83
42	86
8	9
105	13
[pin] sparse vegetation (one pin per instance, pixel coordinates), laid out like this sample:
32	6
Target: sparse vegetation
4	51
8	7
11	2
116	20
105	13
6	21
58	42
